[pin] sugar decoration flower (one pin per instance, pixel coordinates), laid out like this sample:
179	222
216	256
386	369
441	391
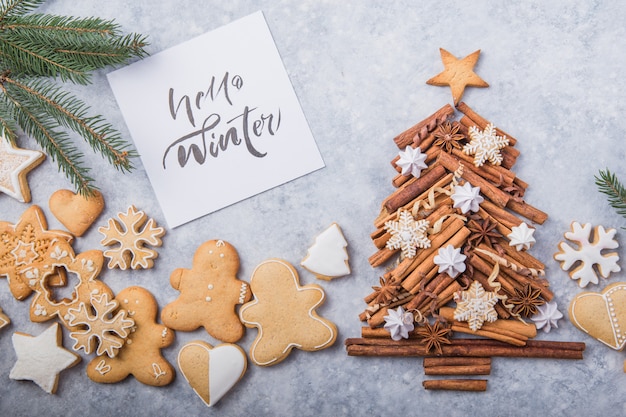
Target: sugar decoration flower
412	161
407	234
399	323
521	237
450	260
485	145
547	316
466	197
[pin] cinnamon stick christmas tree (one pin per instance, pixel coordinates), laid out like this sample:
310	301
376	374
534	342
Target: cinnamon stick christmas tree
455	242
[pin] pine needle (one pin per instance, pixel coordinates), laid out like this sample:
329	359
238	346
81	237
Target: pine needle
610	185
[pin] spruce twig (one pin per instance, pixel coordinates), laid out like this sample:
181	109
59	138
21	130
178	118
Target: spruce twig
609	184
38	49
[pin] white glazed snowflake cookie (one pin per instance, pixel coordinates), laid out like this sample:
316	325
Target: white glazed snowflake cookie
485	145
132	235
588	254
327	257
476	306
407	234
99	326
41	358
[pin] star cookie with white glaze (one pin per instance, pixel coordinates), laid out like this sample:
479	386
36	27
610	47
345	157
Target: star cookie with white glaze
15	163
41	358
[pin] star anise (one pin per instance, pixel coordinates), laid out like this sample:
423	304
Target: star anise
387	290
434	335
447	136
483	230
516	191
526	301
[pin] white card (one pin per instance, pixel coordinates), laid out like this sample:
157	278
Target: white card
215	120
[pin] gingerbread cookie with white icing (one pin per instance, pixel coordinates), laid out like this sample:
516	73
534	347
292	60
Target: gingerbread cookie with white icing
141	354
209	293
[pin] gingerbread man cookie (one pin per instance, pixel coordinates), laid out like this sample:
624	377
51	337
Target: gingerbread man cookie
141	354
284	313
209	293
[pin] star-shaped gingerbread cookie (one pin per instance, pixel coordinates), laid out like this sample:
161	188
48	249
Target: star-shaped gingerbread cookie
15	163
41	358
284	313
458	74
27	248
209	293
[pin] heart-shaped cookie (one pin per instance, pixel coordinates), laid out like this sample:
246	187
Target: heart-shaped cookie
212	371
602	315
75	211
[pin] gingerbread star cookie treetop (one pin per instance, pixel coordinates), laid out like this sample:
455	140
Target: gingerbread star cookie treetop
209	293
458	74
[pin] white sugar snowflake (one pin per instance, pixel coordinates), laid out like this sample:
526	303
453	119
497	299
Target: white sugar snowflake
102	328
589	253
407	234
412	161
485	145
476	306
135	231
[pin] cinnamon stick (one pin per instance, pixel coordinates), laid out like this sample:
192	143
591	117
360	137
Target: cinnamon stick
474	385
482	122
454	360
526	210
527	330
467	347
419	131
458	370
405	194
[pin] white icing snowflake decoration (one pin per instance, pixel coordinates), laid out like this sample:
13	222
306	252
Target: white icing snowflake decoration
467	198
407	234
399	323
485	145
476	306
589	253
521	237
547	316
412	161
450	260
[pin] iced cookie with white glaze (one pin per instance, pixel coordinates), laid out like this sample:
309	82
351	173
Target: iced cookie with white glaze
327	258
212	371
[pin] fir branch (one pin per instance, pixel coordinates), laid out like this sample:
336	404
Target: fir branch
40	126
610	185
17	7
53	26
25	57
72	113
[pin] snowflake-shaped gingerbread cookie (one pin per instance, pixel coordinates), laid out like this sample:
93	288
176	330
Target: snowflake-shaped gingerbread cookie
476	306
132	235
100	327
485	145
407	234
588	254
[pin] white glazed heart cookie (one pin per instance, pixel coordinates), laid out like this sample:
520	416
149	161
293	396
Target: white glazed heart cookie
212	371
